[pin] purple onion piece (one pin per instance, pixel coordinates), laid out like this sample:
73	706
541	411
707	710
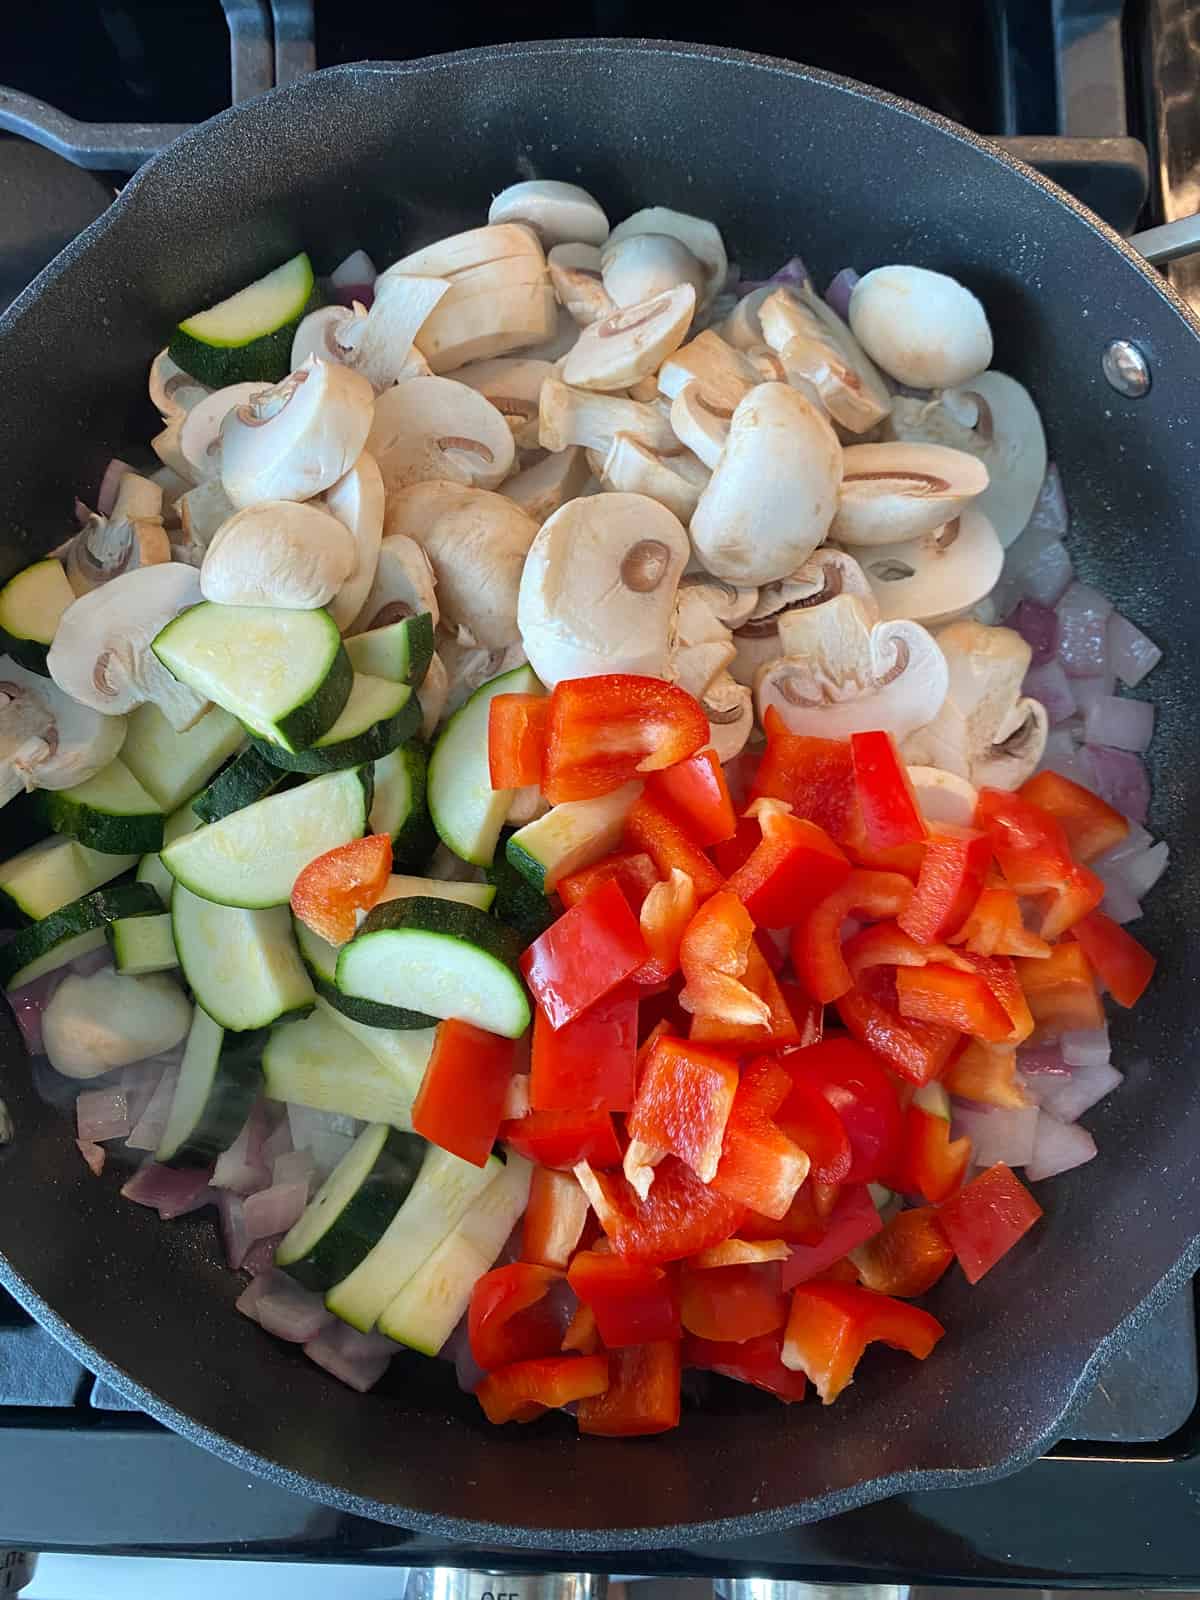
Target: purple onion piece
1122	724
996	1134
1132	654
837	296
94	1154
1058	1147
274	1210
1053	688
101	1114
357	1359
1067	1098
1120	778
1038	626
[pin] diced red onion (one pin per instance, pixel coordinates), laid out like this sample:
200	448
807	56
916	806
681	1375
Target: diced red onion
243	1167
791	274
152	1124
27	1005
1049	516
1083	614
1090	692
354	279
94	1154
1058	1147
1120	904
278	1142
996	1133
234	1233
1038	626
171	1191
139	1082
1064	756
101	1114
1052	687
261	1255
1120	778
1035	1061
1043	574
1133	655
106	494
294	1167
1068	1098
1086	1047
279	1304
457	1349
837	296
358	1359
274	1210
1121	724
1142	871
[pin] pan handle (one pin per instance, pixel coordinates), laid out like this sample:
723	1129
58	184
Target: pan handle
1168	242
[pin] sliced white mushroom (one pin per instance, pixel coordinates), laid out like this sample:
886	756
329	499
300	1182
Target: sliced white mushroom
818	350
943	796
433	693
202	510
702	238
168	447
701	644
994	419
439	429
645	265
173	392
199	432
632	468
568	416
540	489
460	253
892	492
380	344
278	553
774	491
295	440
512	384
826	574
701	424
840	674
111	1019
986	731
598	590
47	739
631	342
102	653
492	310
645	390
403	586
477	543
357	501
557	212
742	328
729	707
560	340
577	282
469	665
722	373
173	487
320	335
132	535
923	328
938	576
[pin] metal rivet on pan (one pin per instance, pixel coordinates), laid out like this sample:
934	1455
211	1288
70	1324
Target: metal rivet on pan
1126	369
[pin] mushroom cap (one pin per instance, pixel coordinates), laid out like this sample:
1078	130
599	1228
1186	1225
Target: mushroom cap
644	265
729	707
173	392
817	349
722	373
630	467
701	424
438	428
460	252
628	343
774	490
469	666
132	535
923	328
199	436
897	491
577	282
49	740
490	310
297	439
169	450
403	586
826	574
278	553
702	238
944	796
380	344
560	340
557	212
598	588
941	574
541	488
742	328
319	335
512	384
568	416
357	501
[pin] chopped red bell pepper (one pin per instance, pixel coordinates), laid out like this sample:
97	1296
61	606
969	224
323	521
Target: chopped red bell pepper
931	1164
696	791
803	1222
760	1165
650	828
460	1103
741	1253
1000	975
590	1061
665	914
332	888
583	956
853	1221
794	866
994	926
554	1218
809	1120
713	955
684	1096
518	725
952	999
907	1258
605	731
817	940
522	1392
633	1302
807	1014
1033	854
891	815
814	776
582	1334
1091	825
562	1139
778	1031
633	870
987	1073
985	1220
864	1098
1061	989
917	1051
831	1324
756	1361
1123	966
733	853
951	878
677	1218
732	1304
643	1392
509	1318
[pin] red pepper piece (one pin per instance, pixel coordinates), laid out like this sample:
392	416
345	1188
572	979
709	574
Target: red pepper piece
952	875
651	829
525	1390
518	725
994	927
665	914
679	1217
562	1139
1035	858
1061	989
582	1333
852	1222
907	1258
633	1302
802	1223
714	954
777	1031
1123	966
643	1393
460	1103
741	1253
605	731
931	1164
951	999
732	1304
831	1324
864	1098
814	776
583	956
633	870
891	815
733	853
760	1165
809	1120
509	1319
588	1062
756	1361
1000	975
794	866
1091	825
554	1218
696	791
985	1220
816	941
332	888
917	1051
683	1101
987	1073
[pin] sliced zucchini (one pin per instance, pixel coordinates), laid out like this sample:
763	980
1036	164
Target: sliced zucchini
282	673
242	966
150	868
518	905
435	1299
171	765
404	1052
320	957
71	931
247	778
219	1081
253	857
448	959
142	944
352	1209
248	337
401	887
315	1062
378	716
400	651
467	812
52	873
570	836
399	807
445	1189
31	605
110	812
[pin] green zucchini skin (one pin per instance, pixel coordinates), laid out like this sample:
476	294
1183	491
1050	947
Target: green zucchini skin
379	740
90	912
250	776
405	815
265	357
521	907
237	1084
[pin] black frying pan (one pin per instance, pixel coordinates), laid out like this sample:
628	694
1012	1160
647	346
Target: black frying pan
785	160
